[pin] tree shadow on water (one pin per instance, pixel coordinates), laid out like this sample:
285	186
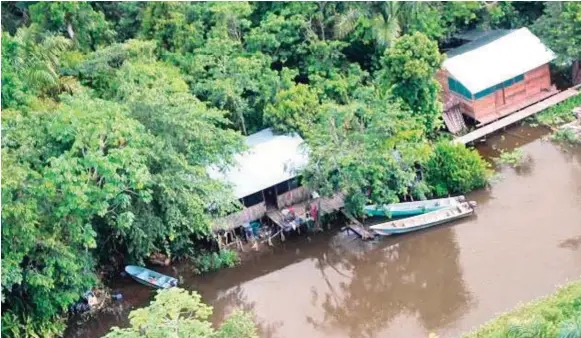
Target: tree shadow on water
235	298
416	275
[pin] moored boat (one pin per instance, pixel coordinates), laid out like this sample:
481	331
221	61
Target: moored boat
425	221
150	277
407	209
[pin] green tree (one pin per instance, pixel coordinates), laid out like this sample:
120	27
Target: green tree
352	150
408	71
76	20
31	66
221	74
125	16
281	37
167	24
289	32
98	70
386	20
178	313
560	29
512	15
294	109
189	137
459	16
453	169
71	166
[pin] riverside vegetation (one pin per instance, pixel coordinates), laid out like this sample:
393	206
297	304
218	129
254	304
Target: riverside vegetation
112	111
557	315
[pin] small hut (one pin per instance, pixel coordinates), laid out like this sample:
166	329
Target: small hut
265	177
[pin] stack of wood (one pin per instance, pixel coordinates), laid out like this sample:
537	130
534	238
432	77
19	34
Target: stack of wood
453	115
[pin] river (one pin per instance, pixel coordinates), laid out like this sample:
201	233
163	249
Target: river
524	240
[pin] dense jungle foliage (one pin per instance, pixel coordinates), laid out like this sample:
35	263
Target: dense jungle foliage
112	111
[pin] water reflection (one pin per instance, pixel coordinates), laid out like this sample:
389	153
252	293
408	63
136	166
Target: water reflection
394	278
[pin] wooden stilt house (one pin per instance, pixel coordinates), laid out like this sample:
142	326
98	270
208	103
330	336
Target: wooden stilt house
496	74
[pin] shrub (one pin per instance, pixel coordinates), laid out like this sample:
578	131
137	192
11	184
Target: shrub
514	158
558	315
566	135
207	262
455	169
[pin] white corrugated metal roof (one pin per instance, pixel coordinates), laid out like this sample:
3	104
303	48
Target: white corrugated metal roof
499	60
270	159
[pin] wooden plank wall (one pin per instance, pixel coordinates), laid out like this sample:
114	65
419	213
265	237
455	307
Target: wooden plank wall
291	197
535	81
538	79
238	218
484	106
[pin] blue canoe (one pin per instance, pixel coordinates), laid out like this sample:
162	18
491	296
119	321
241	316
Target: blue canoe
407	209
424	221
150	277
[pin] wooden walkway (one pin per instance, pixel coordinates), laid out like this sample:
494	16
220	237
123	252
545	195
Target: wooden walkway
517	116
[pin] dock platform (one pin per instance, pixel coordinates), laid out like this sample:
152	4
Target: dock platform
517	116
358	228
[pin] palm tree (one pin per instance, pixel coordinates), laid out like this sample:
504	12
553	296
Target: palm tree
37	56
388	20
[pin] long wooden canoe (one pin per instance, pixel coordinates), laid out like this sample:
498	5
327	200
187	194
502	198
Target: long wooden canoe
407	209
424	221
150	277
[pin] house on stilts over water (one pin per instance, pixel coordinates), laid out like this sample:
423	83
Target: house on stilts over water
266	181
496	74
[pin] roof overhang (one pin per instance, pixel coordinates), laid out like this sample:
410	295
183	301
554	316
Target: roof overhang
479	66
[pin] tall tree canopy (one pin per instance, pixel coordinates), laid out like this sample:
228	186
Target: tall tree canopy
76	20
560	29
409	70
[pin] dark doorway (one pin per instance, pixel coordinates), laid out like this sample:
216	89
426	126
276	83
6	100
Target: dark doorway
270	198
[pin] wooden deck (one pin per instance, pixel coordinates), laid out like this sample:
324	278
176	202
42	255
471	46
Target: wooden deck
358	228
511	108
327	206
517	116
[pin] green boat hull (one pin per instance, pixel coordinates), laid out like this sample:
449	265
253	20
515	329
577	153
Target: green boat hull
407	209
399	213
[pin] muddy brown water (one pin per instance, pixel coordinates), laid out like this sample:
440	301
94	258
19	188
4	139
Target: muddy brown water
524	240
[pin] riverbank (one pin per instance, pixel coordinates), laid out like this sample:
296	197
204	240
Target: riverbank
556	315
447	280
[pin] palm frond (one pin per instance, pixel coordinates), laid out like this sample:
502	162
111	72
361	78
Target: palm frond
346	23
40	76
385	32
